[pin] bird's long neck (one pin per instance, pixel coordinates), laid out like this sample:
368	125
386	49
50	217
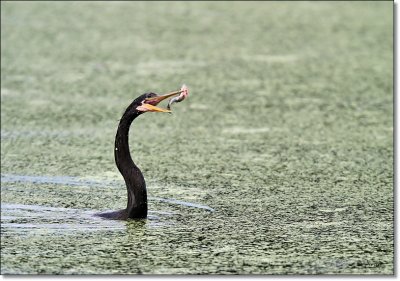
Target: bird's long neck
135	184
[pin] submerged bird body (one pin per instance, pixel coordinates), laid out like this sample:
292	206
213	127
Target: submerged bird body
136	186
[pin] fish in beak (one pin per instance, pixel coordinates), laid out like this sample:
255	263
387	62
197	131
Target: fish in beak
150	104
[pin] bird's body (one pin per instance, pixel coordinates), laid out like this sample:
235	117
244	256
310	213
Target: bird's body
136	186
134	180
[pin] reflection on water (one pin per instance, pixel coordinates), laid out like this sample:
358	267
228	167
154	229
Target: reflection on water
66	180
19	217
183	203
22	218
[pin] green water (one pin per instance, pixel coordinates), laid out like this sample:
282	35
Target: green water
287	134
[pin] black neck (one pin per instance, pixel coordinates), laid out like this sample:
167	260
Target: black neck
135	184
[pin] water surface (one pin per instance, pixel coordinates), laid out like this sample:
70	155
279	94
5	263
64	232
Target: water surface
280	161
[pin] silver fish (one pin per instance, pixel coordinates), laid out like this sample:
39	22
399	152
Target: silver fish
179	98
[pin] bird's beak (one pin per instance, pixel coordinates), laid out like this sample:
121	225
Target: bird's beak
150	104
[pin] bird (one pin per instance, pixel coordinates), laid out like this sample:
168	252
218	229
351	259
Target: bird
136	186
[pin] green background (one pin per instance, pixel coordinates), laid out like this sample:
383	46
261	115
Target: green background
287	133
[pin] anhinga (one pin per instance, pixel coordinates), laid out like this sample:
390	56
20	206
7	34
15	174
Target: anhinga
137	196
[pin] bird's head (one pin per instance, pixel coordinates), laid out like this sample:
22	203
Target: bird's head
149	101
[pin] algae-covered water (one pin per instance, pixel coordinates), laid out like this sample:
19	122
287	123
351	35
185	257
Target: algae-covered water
280	161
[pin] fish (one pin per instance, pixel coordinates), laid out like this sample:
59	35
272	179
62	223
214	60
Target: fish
184	93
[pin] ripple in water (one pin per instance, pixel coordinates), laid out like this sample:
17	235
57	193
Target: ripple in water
23	218
28	218
66	180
